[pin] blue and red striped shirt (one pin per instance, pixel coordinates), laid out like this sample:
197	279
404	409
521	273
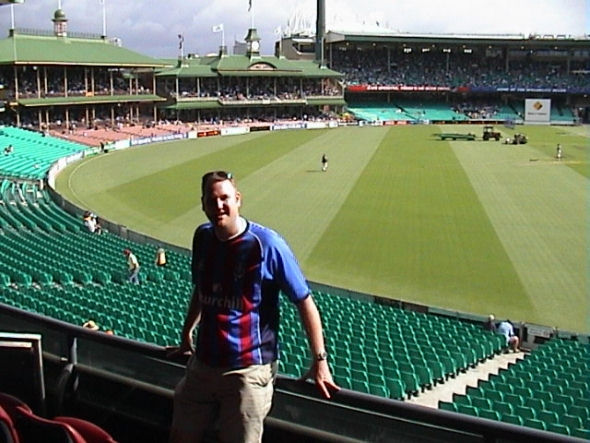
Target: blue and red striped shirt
238	283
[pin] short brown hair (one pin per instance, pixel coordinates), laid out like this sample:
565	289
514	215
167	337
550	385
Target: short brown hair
215	176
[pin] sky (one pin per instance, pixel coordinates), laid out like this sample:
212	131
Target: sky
152	27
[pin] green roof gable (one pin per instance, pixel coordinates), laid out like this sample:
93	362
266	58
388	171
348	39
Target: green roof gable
244	66
52	50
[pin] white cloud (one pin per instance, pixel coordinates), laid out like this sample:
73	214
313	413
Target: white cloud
152	27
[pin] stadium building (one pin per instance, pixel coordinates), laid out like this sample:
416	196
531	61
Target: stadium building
248	87
403	78
59	80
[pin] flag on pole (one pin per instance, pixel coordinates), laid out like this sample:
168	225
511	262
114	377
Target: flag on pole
217	28
180	41
249	5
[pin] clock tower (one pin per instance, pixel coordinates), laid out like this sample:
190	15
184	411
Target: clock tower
252	43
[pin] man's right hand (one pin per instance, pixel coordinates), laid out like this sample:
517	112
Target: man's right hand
180	352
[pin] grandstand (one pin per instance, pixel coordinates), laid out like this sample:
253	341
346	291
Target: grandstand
54	275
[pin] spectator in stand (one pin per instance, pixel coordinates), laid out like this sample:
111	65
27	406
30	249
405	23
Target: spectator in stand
489	325
507	330
133	266
161	257
91	223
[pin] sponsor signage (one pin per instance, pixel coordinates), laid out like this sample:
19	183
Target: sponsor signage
294	125
156	139
537	110
235	130
405	88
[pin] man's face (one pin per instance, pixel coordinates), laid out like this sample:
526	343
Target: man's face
221	204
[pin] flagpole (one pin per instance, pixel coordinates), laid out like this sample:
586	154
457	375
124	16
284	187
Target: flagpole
104	18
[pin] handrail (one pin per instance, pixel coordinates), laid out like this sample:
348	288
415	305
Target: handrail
291	395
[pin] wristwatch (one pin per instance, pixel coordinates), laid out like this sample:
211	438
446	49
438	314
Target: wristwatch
322	356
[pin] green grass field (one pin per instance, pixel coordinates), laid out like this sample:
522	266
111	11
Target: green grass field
470	226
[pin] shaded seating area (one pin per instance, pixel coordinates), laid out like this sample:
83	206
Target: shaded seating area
548	390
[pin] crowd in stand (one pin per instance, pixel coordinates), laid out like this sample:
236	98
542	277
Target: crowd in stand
441	69
241	89
52	83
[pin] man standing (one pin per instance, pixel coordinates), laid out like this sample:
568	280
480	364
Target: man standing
133	266
238	269
507	330
324	162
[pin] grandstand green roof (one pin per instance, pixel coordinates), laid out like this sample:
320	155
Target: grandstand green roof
244	66
97	99
27	49
387	37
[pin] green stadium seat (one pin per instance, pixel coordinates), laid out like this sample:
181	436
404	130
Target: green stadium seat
64	278
396	388
446	406
534	423
473	391
461	399
343	381
564	399
545	396
547	416
571	421
481	403
379	390
360	386
525	412
101	277
513	399
502	407
534	385
424	375
493	395
411	382
536	403
23	279
523	392
4	279
558	428
489	414
512	419
581	433
466	409
559	408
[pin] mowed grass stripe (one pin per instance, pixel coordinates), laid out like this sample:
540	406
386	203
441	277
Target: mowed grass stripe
292	194
158	200
413	229
92	175
538	210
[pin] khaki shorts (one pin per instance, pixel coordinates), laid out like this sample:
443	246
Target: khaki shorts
235	401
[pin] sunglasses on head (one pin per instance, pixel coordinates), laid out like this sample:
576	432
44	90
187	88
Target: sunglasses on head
215	176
